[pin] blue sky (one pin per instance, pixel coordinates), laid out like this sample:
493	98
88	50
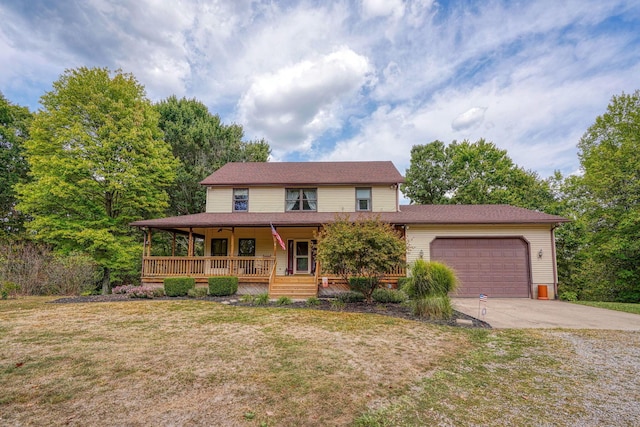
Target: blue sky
350	80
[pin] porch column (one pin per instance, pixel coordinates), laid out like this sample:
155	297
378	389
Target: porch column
173	244
190	246
149	242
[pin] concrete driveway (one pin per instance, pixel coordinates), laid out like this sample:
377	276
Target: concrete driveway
529	313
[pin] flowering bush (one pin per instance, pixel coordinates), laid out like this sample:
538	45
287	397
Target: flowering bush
141	292
124	289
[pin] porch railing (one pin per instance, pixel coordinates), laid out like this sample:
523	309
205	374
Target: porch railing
156	266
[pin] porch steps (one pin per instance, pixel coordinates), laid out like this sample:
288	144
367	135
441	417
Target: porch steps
296	287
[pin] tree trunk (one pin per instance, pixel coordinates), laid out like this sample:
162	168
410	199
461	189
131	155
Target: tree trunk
106	281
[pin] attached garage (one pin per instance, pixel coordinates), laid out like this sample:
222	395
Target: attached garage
498	267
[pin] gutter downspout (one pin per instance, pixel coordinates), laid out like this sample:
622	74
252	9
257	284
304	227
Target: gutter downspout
555	261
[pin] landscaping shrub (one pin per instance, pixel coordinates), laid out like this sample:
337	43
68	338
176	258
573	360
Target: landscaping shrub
284	301
124	289
312	302
351	296
569	296
178	286
437	307
262	299
158	292
38	271
222	286
141	292
248	298
389	296
364	285
8	288
199	292
338	304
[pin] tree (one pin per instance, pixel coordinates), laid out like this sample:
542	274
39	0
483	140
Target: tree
609	155
98	162
203	144
427	179
365	249
471	173
14	130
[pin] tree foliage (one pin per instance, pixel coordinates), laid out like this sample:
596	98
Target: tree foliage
471	173
608	203
98	162
203	144
14	130
364	248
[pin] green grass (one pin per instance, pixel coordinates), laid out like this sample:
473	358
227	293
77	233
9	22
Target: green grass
617	306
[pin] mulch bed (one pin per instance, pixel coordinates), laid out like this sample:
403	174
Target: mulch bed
386	309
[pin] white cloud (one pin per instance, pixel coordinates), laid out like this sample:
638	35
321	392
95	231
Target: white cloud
296	103
471	118
382	8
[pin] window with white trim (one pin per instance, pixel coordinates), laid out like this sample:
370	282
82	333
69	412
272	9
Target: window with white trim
363	199
240	199
301	199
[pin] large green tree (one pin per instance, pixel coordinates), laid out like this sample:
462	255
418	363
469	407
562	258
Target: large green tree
14	130
98	162
609	155
203	144
471	173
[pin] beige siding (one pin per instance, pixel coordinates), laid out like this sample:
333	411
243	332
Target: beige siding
294	233
266	199
264	242
343	199
384	198
420	237
330	199
336	199
219	200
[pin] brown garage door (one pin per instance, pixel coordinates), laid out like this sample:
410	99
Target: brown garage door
496	267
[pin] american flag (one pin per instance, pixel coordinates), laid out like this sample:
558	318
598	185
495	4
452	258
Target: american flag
483	297
275	234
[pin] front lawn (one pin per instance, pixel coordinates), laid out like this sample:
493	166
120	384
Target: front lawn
618	306
193	362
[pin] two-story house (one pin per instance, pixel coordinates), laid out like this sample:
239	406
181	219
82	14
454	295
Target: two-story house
495	249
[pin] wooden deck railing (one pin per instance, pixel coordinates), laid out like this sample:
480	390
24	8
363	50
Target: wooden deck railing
399	271
156	266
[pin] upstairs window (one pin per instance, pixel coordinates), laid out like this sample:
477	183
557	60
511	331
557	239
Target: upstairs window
240	199
363	199
301	199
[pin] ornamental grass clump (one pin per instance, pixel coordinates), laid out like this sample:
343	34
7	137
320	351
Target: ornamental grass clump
429	287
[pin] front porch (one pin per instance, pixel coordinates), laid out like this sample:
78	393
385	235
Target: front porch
256	275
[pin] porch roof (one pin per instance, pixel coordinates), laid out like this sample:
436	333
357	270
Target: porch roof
408	214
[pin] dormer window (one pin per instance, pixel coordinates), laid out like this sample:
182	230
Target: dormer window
363	199
301	199
240	199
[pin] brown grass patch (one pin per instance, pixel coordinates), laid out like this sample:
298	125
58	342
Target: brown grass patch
201	363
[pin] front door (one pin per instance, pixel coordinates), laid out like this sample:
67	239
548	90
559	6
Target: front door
302	253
